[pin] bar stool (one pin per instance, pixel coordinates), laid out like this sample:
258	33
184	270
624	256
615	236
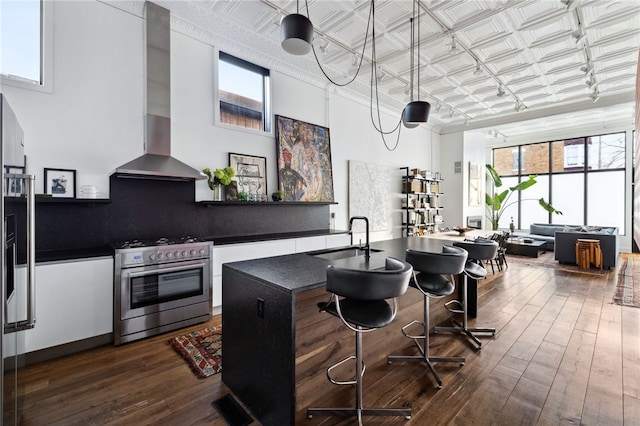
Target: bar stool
479	252
432	283
363	308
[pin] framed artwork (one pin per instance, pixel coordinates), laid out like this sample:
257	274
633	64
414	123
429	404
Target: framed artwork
304	161
475	184
60	183
251	173
14	187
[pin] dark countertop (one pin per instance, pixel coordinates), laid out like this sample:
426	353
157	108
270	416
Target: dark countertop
91	252
303	271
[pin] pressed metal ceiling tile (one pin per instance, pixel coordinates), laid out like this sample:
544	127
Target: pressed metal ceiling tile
529	46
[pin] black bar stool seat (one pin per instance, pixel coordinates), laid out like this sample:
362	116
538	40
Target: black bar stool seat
434	278
359	299
479	252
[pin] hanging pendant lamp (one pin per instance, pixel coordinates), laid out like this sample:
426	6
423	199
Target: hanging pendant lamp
296	33
416	112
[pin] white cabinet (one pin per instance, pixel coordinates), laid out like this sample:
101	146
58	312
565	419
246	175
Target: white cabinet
246	251
74	301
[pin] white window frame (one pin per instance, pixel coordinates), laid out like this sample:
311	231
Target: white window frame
46	56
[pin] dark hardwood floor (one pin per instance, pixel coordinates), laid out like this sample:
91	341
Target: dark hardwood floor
563	354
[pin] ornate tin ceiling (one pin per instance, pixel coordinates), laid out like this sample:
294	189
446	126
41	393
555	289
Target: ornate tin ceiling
549	56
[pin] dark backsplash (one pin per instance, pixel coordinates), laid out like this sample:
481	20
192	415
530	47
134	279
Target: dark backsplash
149	209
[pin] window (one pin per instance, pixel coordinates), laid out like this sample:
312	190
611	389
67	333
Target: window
243	92
26	34
592	195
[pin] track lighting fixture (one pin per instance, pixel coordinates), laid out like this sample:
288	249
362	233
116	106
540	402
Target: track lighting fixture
296	33
501	91
586	69
438	107
591	82
453	47
416	112
450	112
595	95
569	4
324	45
578	35
478	69
518	106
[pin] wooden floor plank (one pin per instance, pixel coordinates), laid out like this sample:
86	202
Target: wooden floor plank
563	354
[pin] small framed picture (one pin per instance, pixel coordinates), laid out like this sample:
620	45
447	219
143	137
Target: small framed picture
251	173
14	186
60	183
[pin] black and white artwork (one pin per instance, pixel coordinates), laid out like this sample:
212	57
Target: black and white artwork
60	183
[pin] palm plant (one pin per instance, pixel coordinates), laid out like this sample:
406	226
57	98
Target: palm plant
498	201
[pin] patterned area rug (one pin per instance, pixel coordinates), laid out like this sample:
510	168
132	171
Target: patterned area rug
547	259
628	285
202	349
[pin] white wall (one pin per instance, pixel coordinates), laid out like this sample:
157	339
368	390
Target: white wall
93	120
451	151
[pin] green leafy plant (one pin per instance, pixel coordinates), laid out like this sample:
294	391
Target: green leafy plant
498	201
242	196
219	176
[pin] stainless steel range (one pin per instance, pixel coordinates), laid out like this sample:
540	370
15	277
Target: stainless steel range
160	286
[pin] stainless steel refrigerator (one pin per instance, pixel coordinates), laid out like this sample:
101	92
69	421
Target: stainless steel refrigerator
17	262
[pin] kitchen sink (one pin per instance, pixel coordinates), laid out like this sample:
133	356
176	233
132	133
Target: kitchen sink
342	253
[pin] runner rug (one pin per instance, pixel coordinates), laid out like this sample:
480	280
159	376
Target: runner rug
627	291
202	349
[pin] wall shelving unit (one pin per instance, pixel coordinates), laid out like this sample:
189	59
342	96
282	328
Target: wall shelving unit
421	203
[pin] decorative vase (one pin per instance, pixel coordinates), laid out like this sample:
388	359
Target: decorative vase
218	192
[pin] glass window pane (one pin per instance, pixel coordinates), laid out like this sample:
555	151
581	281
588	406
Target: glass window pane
242	88
606	151
568	155
505	161
20	39
535	158
568	196
605	199
510	204
530	209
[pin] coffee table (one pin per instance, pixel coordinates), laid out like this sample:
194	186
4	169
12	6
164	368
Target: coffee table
521	248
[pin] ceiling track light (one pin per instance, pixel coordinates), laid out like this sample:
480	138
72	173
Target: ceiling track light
591	82
586	69
478	69
296	33
324	45
453	47
501	91
518	106
438	107
416	112
595	95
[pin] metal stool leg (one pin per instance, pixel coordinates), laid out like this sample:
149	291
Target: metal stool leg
463	327
359	410
424	350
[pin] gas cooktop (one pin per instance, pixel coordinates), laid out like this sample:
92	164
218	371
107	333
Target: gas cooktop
154	243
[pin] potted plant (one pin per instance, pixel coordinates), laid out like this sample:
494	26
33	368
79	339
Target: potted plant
218	179
498	201
277	196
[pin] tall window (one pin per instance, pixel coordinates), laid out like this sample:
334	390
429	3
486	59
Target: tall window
243	90
25	41
586	181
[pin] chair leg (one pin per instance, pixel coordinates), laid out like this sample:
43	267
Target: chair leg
424	349
463	327
359	410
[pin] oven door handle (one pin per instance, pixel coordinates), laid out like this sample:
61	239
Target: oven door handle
182	267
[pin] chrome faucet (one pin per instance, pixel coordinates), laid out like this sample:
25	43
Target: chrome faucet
367	247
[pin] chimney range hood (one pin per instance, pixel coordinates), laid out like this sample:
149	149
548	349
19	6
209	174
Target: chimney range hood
157	162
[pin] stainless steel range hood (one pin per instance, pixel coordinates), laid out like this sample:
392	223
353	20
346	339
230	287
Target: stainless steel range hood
157	162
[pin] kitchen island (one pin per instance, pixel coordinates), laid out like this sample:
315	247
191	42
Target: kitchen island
277	345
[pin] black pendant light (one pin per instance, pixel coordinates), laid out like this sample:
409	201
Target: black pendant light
416	112
296	33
